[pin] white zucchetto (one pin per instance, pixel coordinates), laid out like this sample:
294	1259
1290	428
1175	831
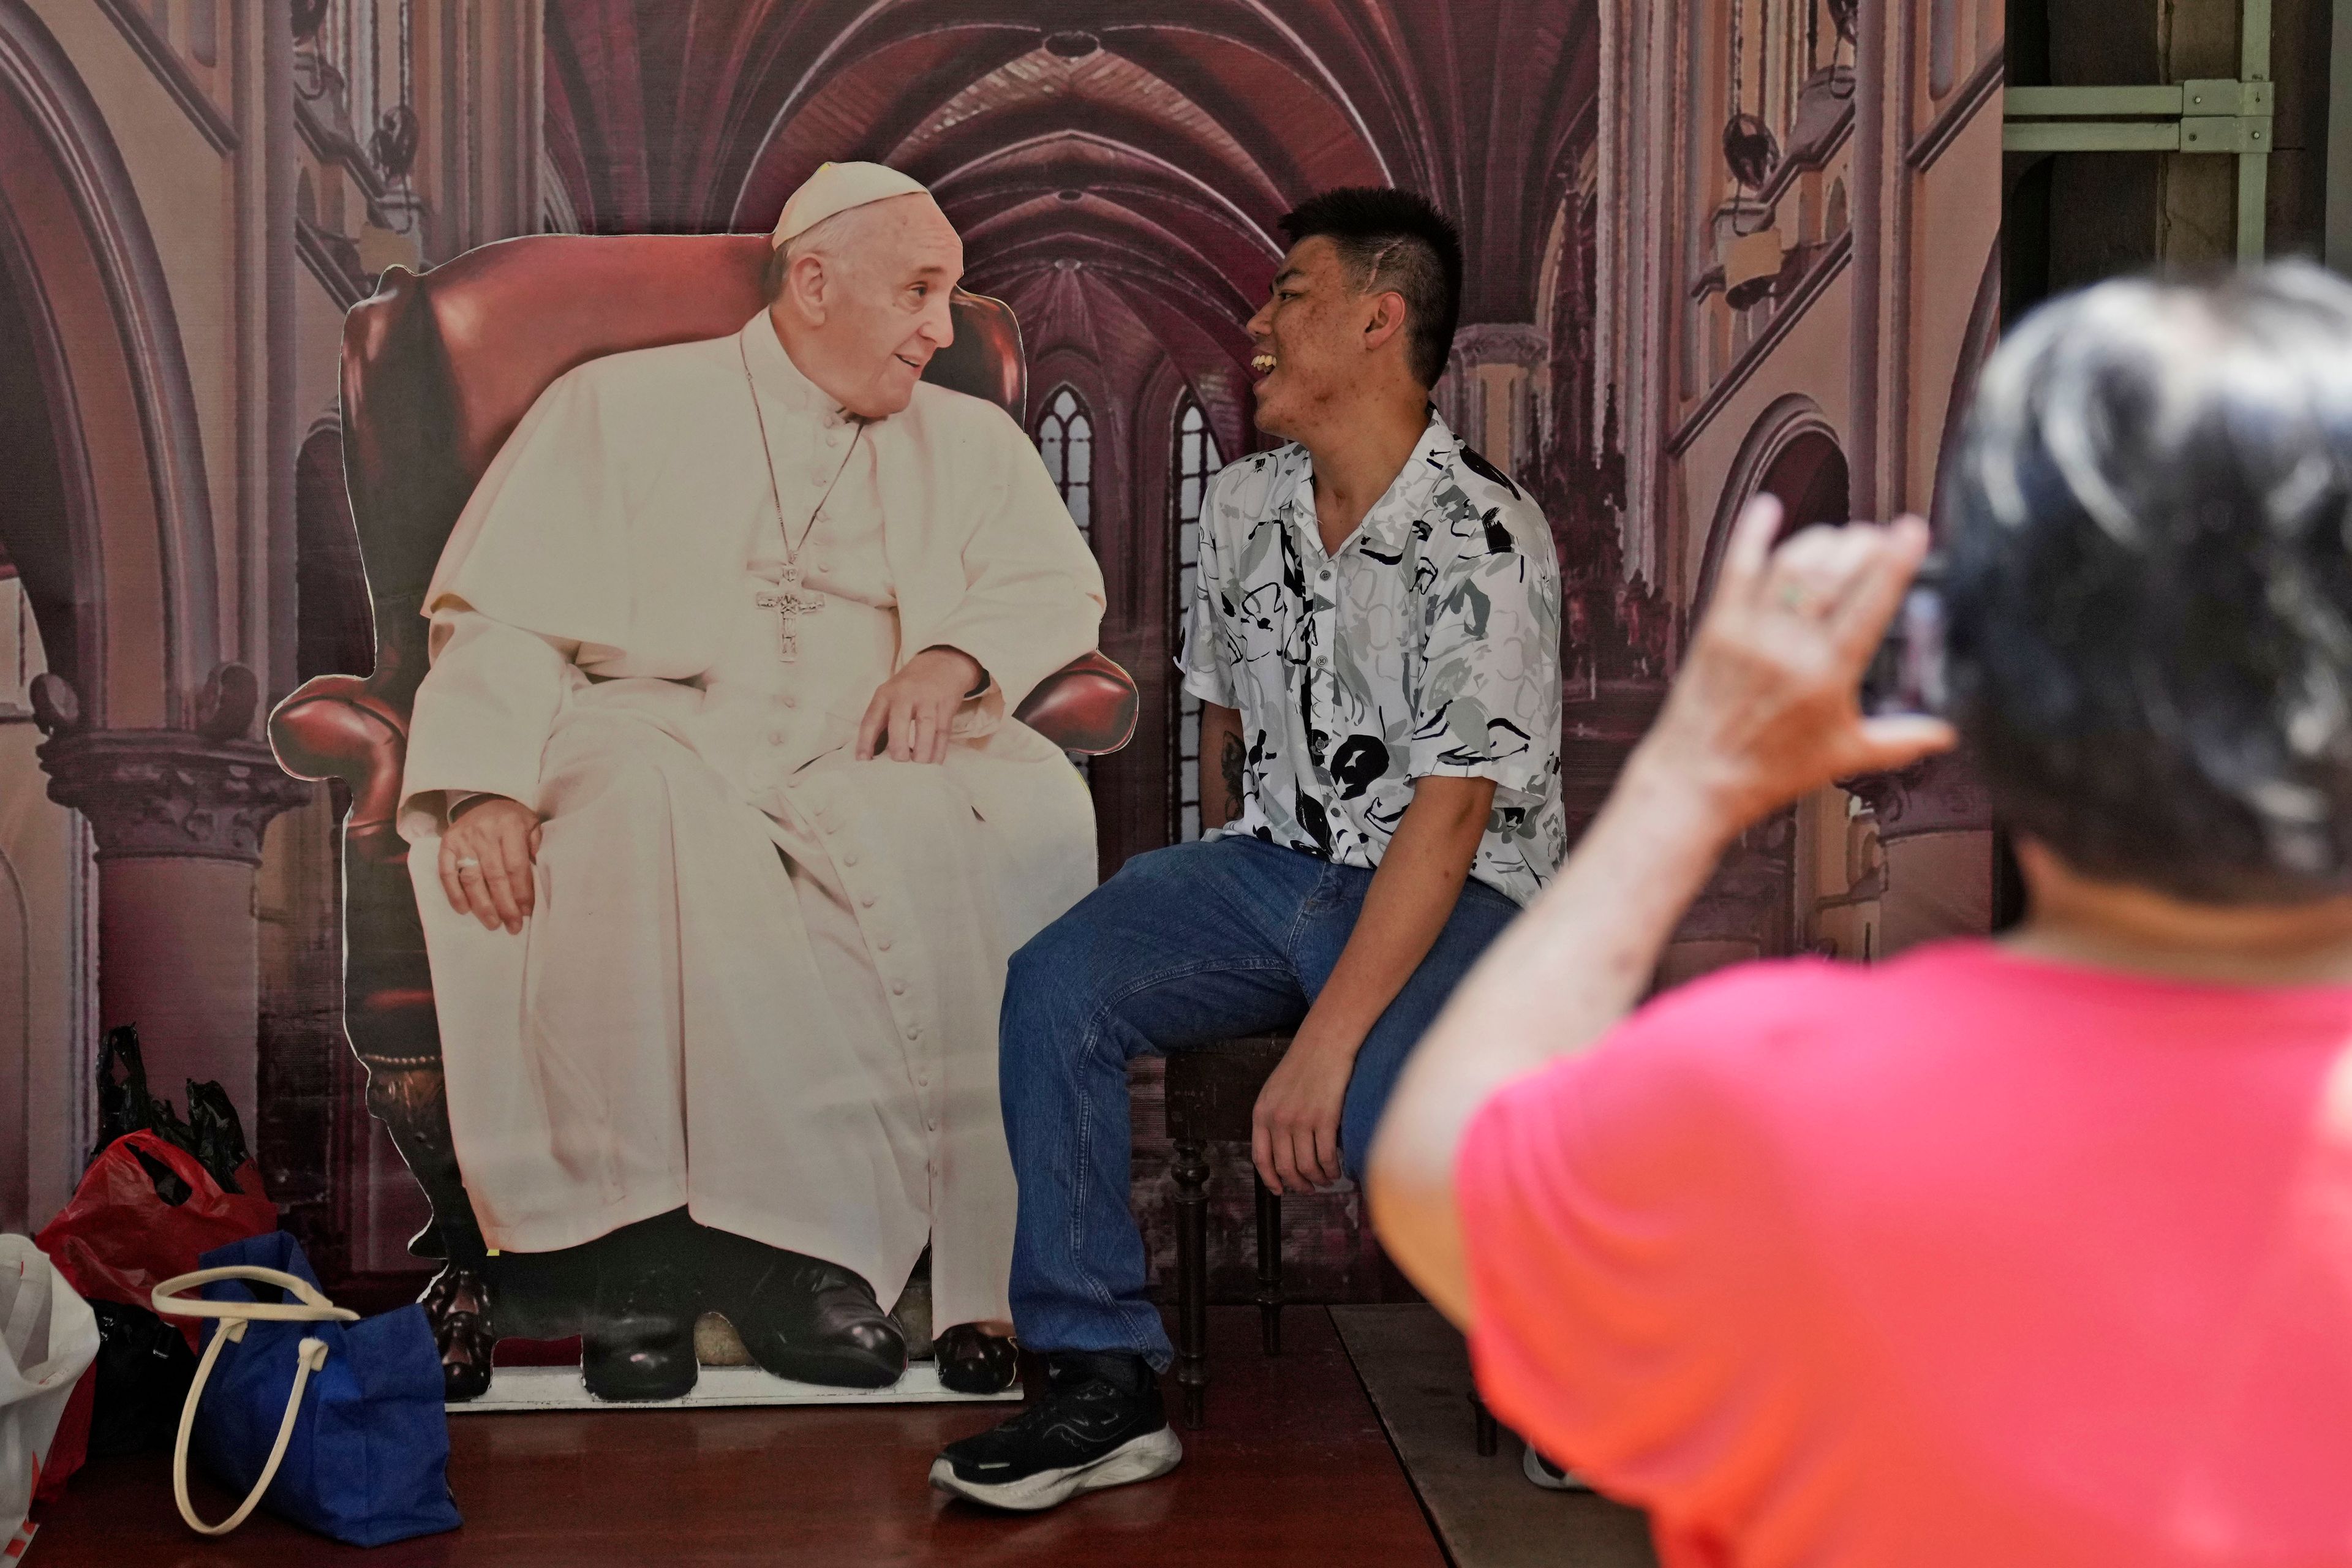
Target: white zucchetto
836	188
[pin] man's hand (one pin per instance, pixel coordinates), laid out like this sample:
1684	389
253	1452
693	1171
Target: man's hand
486	862
1295	1130
1768	707
915	708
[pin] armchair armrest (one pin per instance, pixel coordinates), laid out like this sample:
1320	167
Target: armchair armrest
1088	705
332	726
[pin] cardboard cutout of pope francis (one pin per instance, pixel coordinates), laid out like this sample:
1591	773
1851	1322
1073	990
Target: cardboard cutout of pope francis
723	829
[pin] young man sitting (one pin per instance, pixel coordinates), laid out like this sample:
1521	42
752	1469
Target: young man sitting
1375	643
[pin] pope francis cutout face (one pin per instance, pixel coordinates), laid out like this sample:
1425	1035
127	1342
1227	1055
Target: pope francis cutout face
864	300
723	829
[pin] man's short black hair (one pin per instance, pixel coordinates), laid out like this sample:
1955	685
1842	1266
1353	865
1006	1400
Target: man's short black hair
1395	239
2149	586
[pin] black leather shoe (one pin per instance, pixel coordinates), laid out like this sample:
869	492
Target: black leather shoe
457	1304
638	1343
814	1321
974	1361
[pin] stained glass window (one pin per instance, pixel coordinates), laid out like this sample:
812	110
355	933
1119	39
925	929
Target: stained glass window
1066	438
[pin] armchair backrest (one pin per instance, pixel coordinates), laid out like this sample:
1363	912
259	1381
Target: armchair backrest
439	367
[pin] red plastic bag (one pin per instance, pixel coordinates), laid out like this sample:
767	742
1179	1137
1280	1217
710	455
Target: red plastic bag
71	1447
117	1238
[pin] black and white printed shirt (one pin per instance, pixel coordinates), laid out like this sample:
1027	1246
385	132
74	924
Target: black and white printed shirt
1428	645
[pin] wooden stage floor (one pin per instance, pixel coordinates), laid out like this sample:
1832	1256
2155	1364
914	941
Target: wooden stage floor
1293	1468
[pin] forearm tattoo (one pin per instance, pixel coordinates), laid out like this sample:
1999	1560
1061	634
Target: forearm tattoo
1231	762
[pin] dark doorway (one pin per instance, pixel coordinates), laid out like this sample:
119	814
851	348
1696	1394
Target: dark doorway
1811	482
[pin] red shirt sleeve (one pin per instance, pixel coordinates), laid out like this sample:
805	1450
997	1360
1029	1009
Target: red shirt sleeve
1631	1274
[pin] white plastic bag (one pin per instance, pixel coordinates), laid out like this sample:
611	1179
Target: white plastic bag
49	1336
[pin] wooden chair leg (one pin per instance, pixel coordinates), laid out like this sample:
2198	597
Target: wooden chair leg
1192	1173
1269	1267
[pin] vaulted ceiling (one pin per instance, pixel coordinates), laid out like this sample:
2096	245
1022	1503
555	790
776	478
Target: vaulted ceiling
1117	169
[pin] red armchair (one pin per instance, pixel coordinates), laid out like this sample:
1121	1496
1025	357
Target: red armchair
438	369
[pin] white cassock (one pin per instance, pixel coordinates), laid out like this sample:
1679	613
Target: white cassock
762	977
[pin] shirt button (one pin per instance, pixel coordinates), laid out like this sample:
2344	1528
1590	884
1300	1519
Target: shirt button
791	701
884	943
849	860
914	1031
898	988
868	901
775	736
922	1081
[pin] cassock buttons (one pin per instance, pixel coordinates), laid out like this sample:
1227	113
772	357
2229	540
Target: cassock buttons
868	901
820	476
884	943
898	988
914	1031
790	700
775	736
849	860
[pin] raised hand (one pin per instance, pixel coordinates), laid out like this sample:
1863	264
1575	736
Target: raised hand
1768	707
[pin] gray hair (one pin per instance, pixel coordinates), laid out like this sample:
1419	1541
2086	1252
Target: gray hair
2150	582
828	237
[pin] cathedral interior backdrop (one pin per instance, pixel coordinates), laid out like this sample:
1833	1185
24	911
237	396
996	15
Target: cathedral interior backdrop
1716	247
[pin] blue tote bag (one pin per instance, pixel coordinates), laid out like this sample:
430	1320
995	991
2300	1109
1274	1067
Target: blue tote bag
331	1421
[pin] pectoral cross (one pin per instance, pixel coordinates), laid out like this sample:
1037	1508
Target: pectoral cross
790	602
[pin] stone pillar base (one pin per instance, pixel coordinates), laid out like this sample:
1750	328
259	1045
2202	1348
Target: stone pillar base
178	817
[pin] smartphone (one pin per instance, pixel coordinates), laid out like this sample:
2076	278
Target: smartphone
1906	675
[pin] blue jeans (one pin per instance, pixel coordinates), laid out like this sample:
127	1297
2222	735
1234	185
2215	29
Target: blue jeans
1185	946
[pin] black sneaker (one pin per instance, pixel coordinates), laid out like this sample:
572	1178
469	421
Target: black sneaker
1100	1424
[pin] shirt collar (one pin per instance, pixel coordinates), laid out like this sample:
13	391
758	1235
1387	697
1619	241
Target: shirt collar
780	381
1408	494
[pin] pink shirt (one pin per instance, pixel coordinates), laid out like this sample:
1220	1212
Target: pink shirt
1968	1259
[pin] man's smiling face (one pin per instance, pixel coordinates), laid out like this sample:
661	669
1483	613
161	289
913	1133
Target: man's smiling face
1305	341
887	311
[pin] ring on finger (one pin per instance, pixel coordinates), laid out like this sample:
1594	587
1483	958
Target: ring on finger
1796	598
468	863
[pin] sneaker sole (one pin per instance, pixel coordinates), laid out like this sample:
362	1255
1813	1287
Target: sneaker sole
1137	1459
1531	1468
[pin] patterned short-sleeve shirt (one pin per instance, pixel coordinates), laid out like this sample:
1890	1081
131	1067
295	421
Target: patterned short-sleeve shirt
1429	644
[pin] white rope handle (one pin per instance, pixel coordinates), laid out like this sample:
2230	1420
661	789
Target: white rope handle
313	1307
309	1307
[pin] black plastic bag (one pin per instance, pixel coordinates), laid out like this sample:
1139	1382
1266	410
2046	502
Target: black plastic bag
211	1131
144	1370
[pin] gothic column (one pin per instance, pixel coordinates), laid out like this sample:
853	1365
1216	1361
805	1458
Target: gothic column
178	817
1935	823
1489	392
